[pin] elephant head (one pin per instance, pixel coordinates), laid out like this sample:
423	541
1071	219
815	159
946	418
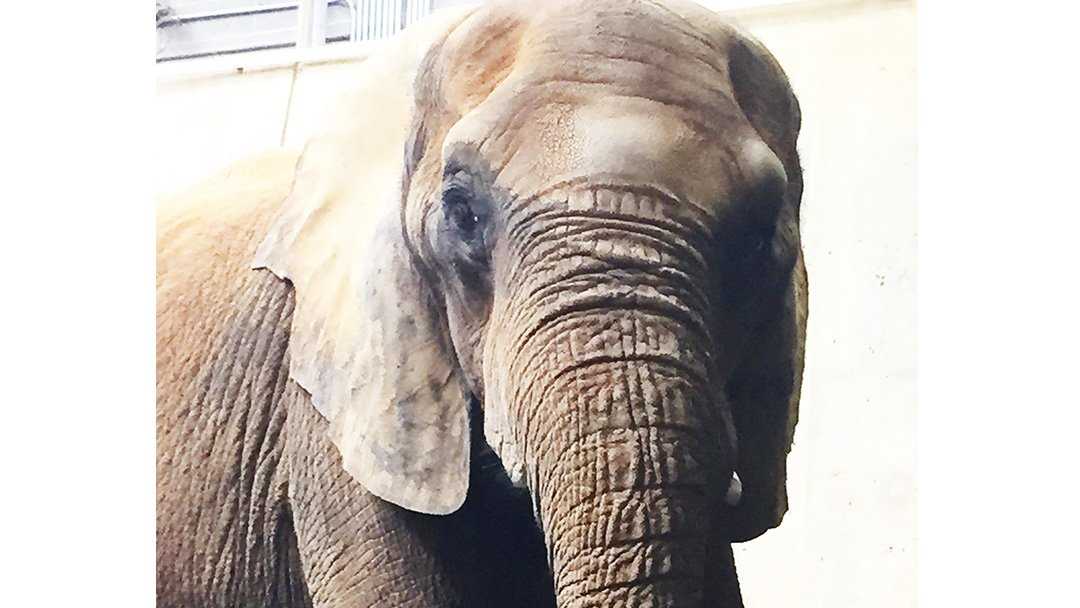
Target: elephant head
582	218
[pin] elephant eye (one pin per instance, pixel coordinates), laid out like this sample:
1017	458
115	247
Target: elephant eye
460	213
465	222
755	244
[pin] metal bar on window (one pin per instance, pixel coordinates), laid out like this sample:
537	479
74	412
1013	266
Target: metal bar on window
258	9
311	30
318	24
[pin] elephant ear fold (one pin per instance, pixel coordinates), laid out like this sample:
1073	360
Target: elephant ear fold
368	339
764	394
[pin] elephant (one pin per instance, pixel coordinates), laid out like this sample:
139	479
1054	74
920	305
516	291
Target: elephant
523	326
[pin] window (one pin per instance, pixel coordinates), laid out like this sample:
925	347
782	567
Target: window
199	28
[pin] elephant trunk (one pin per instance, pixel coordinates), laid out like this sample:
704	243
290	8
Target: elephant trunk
617	418
627	500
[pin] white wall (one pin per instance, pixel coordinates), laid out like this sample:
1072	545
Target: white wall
849	539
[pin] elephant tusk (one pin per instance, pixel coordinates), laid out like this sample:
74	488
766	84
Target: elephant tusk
734	491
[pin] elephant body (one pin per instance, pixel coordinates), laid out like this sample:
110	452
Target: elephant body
514	333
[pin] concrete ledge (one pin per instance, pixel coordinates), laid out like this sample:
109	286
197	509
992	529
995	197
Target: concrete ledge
263	61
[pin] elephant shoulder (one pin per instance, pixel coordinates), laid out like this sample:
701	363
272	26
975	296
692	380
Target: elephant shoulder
217	221
206	237
228	199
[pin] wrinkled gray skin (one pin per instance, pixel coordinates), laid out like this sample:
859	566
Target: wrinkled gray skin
642	313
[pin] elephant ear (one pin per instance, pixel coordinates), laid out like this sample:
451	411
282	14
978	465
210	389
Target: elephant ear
368	337
764	395
764	389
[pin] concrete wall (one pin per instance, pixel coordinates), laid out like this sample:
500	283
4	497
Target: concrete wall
849	539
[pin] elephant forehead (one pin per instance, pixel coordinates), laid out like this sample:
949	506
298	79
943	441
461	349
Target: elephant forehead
626	91
640	142
617	140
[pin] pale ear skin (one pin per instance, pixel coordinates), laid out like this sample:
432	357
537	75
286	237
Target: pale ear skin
405	431
368	340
